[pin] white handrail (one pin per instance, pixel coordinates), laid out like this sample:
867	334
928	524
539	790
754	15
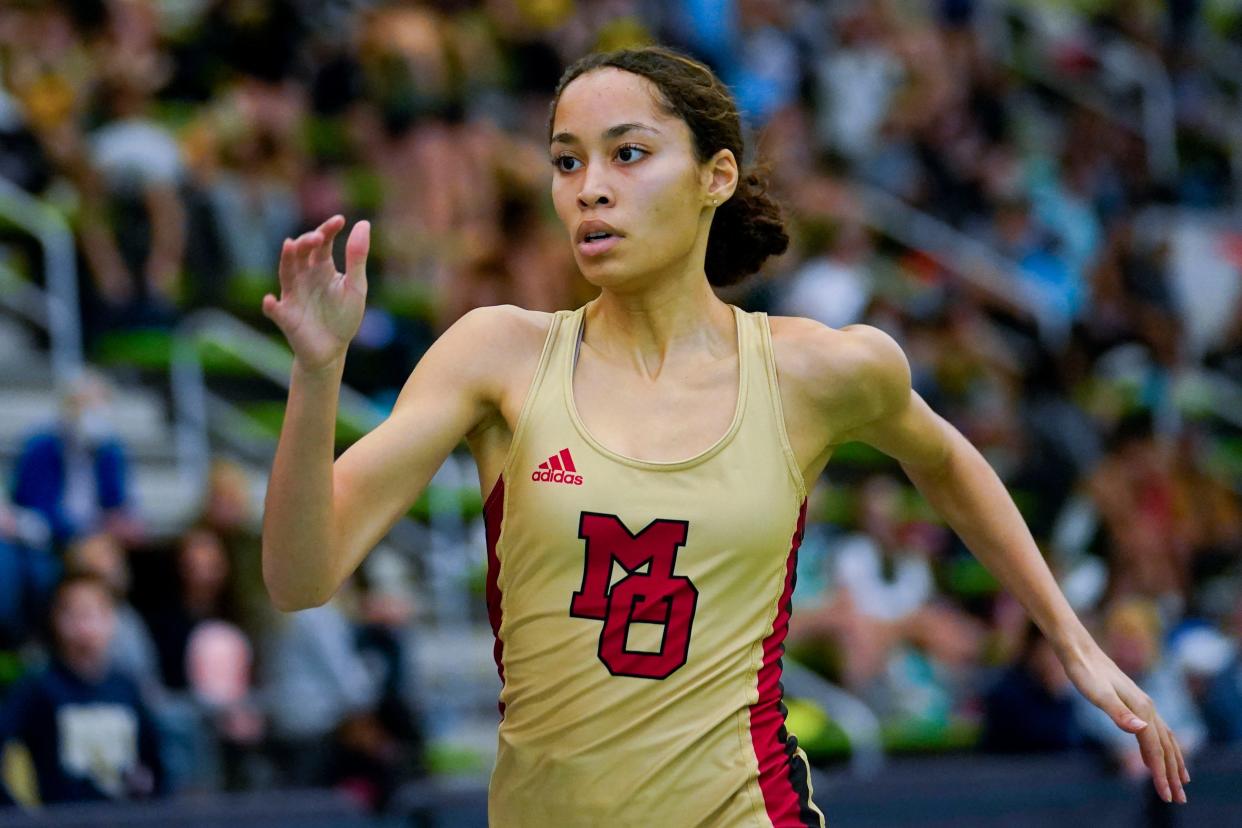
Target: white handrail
62	321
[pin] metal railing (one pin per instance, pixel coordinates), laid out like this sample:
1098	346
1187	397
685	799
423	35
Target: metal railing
972	260
53	308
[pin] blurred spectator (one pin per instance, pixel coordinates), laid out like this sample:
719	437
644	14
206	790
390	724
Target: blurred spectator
89	734
1030	709
228	513
1210	661
1134	490
74	473
134	235
881	617
132	650
339	699
832	284
201	594
315	681
219	666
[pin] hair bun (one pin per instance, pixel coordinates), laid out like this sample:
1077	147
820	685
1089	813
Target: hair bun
746	230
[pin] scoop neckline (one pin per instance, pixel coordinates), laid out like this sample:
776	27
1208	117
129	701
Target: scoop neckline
657	465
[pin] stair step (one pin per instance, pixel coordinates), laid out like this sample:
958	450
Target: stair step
137	415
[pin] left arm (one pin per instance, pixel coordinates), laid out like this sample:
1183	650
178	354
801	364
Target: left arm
964	489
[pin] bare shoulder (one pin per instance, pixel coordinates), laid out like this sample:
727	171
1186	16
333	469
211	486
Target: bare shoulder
852	374
506	324
498	340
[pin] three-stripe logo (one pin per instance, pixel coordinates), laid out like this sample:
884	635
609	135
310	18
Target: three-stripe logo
559	468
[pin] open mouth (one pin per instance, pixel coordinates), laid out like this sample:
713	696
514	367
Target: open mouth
593	244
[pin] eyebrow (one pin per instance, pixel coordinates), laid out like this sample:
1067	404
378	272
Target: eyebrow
608	134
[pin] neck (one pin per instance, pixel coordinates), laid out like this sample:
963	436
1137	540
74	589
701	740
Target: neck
668	317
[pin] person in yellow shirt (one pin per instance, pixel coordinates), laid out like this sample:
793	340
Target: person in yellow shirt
645	460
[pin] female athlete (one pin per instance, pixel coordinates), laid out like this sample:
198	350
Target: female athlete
645	461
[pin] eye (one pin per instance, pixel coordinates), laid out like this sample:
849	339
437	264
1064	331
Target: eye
564	163
626	153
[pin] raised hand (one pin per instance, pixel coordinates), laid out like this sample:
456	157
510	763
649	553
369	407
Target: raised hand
320	309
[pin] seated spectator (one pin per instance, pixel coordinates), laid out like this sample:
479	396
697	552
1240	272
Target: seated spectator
219	662
133	650
88	732
1214	661
1135	490
339	692
133	213
203	572
74	472
228	512
315	681
1031	708
882	594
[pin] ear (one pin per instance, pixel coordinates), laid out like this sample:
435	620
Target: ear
720	175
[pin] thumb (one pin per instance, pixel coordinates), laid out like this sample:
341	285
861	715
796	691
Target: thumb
271	308
356	254
1125	718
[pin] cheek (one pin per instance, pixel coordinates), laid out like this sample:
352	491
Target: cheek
667	207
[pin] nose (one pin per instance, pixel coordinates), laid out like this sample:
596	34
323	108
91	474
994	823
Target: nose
595	191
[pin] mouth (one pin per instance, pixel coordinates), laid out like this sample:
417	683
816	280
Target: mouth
597	243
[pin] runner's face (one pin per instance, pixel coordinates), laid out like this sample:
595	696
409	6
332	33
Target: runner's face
620	159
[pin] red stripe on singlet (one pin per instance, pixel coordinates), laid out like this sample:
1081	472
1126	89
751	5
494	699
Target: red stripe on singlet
784	797
493	514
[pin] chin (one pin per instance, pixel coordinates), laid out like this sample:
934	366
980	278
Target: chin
605	274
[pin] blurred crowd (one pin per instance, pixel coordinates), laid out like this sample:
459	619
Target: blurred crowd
184	141
134	666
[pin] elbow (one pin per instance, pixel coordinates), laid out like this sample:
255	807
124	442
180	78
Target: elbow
290	597
291	603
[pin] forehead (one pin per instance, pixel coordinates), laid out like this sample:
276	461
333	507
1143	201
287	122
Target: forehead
598	99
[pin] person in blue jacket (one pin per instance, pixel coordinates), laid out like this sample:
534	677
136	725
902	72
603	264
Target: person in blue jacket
74	472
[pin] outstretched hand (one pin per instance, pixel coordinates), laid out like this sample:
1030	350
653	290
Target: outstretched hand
320	309
1108	688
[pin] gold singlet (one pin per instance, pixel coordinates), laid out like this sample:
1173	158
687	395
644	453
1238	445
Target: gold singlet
639	610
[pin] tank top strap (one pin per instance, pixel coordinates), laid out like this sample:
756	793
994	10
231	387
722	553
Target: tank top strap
765	410
541	405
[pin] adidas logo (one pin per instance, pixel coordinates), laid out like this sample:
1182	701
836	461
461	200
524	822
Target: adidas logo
559	468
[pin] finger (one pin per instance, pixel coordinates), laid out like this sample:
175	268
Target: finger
356	249
285	269
271	309
328	230
1153	757
1124	717
1173	772
306	244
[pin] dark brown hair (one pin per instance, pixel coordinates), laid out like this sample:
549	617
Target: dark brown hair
747	228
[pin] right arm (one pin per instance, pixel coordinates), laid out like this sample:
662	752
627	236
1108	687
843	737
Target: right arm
320	517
